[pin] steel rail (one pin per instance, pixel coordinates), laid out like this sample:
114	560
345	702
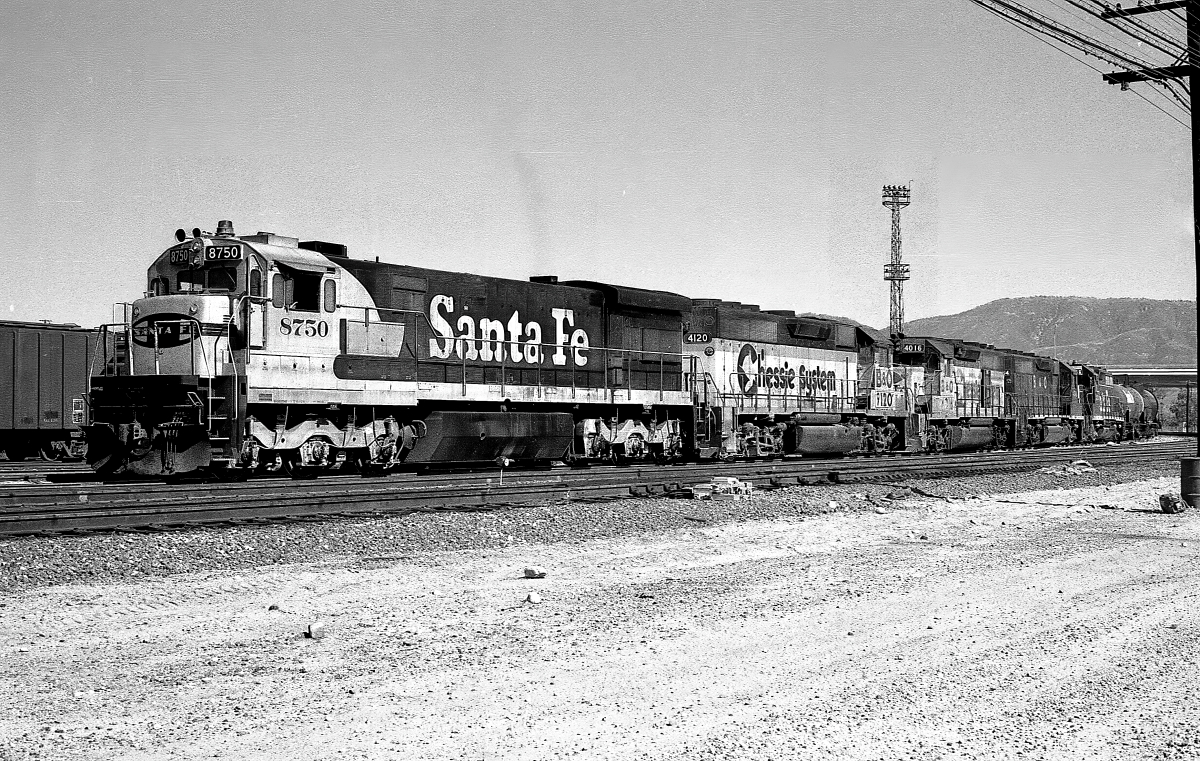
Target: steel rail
106	506
29	493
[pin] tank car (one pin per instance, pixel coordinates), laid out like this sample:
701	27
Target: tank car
1115	412
262	351
44	371
1147	425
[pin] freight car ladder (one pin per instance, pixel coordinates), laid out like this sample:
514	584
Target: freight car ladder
220	411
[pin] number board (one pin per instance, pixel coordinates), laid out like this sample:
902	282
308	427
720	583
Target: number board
181	255
882	399
228	253
697	338
917	347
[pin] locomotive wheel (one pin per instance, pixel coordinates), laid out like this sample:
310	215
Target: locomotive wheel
363	466
293	469
371	470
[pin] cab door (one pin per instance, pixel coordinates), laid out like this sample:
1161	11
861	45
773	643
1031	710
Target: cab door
256	313
256	324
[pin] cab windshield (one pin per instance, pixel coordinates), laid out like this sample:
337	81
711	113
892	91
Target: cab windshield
205	280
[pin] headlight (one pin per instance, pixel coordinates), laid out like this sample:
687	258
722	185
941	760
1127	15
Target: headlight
192	309
137	311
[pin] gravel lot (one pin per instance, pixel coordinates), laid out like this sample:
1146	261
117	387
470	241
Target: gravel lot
992	617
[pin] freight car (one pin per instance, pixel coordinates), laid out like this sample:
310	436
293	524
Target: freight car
1115	412
44	372
265	352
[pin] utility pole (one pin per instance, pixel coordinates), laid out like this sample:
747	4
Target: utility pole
895	197
1187	409
1189	466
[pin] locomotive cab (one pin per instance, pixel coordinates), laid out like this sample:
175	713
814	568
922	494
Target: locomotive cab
193	290
213	302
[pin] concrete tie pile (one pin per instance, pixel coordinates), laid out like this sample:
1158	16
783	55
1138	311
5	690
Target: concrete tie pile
1076	468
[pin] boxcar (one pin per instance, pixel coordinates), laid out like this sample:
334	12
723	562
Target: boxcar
44	372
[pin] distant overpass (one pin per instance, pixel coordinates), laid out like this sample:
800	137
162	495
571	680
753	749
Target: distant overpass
1163	377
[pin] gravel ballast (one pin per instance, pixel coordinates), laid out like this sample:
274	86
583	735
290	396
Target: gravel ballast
28	562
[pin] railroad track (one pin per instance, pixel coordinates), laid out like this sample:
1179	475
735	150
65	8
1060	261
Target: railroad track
27	469
36	509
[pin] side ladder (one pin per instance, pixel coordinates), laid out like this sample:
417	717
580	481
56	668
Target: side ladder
221	405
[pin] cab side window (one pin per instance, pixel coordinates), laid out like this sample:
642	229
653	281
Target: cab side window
255	283
306	292
279	291
330	297
296	290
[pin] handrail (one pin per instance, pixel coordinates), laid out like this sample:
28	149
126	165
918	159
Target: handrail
607	354
102	346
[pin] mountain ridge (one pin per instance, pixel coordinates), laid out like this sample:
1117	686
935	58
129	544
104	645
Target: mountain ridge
1106	331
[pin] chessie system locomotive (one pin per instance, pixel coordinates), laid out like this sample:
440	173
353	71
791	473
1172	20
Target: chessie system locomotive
265	352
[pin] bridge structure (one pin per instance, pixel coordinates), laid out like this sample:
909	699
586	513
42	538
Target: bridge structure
1162	377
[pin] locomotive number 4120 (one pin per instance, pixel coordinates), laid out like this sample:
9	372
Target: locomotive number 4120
304	328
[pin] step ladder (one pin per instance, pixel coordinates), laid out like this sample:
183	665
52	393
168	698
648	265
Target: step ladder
219	410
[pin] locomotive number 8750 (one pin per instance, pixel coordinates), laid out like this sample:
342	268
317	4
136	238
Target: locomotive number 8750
305	328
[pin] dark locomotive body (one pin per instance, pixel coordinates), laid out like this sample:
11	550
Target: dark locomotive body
969	395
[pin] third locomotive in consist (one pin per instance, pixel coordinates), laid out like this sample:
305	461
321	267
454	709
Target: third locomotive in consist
264	352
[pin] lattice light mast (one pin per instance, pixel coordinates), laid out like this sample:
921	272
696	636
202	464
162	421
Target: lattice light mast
895	197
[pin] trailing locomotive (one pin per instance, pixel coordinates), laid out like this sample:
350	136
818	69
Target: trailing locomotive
967	395
266	352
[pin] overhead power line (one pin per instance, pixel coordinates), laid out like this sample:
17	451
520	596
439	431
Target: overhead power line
1126	39
1182	63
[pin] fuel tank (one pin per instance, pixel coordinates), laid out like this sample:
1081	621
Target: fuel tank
968	439
821	439
1056	434
453	436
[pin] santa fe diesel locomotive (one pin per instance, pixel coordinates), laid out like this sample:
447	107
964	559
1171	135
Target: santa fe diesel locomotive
264	352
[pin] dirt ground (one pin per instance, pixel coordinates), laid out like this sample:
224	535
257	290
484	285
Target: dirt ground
1036	625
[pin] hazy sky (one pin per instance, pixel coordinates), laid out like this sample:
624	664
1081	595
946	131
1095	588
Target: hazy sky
733	150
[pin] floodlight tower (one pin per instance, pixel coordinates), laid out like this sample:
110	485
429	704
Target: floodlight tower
895	197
